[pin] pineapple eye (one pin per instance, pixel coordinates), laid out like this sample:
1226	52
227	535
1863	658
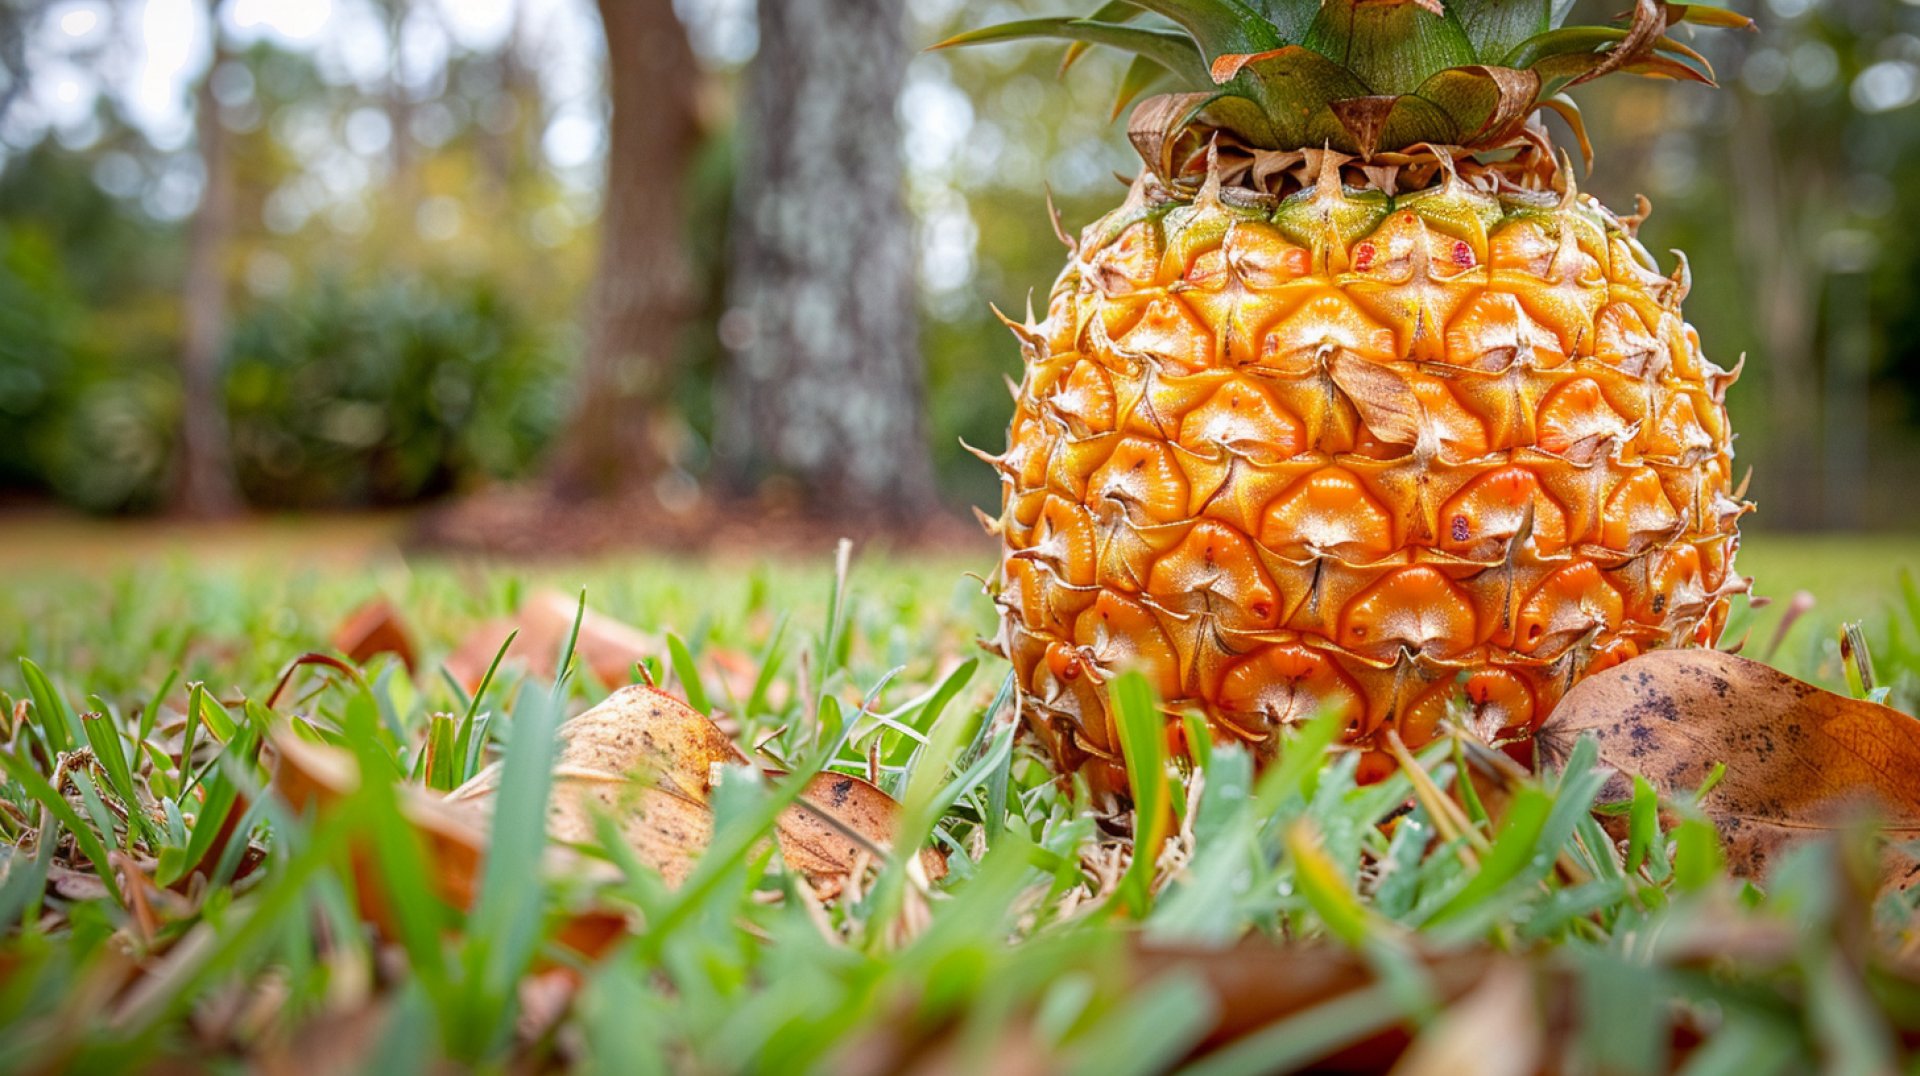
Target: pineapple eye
1462	254
1461	528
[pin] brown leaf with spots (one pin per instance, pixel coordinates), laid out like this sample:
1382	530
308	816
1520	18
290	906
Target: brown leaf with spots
838	818
1800	761
641	756
649	760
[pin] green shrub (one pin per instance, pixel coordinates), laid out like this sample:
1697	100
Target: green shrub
37	313
386	392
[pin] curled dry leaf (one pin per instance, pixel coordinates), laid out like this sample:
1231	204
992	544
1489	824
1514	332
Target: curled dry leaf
607	648
374	628
649	761
663	816
1799	760
314	776
643	756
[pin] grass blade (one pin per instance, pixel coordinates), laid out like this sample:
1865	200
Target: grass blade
1512	851
685	671
1330	894
1143	743
56	718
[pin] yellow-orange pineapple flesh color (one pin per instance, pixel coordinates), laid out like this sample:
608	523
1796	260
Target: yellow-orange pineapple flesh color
1357	449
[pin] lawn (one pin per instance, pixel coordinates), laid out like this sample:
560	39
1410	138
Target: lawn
232	604
1289	917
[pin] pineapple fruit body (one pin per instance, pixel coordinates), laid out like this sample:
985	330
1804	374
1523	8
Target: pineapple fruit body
1381	452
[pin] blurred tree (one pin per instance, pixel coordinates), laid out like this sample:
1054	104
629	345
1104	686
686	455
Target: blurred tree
825	385
401	180
639	300
992	134
204	484
1782	187
380	344
15	18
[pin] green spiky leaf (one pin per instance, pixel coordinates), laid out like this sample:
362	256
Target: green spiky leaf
1389	48
1706	15
1141	77
1171	50
1114	11
1493	27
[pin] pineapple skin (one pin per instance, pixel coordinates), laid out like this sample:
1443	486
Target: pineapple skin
1356	451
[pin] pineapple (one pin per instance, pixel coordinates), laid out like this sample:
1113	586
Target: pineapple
1357	402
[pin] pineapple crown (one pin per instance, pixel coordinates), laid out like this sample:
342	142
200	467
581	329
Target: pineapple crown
1363	76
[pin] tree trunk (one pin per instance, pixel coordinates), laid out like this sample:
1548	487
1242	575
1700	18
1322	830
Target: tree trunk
640	295
402	181
204	482
501	148
14	24
825	379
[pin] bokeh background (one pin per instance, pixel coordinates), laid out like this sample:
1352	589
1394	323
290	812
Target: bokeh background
272	255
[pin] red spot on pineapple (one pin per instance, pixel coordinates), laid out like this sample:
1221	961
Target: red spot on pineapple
1363	257
1462	254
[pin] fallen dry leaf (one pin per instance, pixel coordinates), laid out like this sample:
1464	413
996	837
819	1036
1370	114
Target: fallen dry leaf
606	648
1800	761
331	1041
1494	1030
1501	1012
454	838
1250	986
840	817
374	628
649	759
643	756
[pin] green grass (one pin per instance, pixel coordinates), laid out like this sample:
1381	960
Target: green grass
149	687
